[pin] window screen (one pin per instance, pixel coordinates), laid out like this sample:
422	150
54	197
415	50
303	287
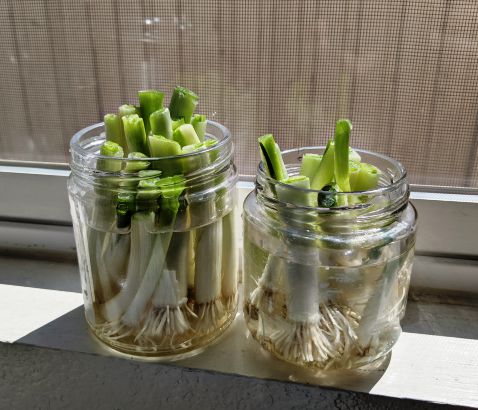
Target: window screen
404	72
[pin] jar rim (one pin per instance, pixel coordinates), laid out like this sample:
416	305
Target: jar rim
75	145
85	155
383	190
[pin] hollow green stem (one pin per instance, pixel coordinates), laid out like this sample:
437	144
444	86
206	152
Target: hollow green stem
113	150
199	123
272	158
160	146
365	178
149	102
183	103
161	123
135	166
341	140
125	208
127	109
186	135
296	196
325	173
164	147
135	134
310	165
177	123
114	130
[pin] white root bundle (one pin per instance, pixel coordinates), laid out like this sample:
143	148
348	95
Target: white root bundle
269	285
314	330
168	317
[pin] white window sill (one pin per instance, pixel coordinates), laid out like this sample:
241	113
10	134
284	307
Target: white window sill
434	361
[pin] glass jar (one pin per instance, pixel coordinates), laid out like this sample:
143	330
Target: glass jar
326	287
158	264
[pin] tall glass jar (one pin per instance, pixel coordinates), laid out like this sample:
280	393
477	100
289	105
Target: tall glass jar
326	287
158	264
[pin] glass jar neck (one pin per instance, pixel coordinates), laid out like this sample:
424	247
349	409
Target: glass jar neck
197	168
349	210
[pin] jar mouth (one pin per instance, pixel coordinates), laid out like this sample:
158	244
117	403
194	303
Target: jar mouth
392	179
86	143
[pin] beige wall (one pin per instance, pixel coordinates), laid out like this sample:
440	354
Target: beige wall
403	71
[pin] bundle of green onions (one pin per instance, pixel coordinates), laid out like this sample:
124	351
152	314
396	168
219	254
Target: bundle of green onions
156	285
316	328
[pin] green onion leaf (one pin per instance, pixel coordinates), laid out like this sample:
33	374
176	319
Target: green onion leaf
110	149
199	123
310	165
185	135
149	102
161	123
272	158
183	103
341	140
135	134
325	173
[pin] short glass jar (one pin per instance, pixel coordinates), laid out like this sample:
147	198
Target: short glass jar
326	287
158	266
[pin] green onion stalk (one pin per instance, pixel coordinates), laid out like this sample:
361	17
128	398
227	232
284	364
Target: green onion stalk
315	327
150	101
169	315
214	290
189	133
103	215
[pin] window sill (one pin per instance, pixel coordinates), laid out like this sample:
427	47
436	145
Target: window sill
434	361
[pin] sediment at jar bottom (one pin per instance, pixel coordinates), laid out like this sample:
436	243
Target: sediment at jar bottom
161	293
339	316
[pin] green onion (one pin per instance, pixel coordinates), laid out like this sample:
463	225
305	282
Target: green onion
161	123
149	102
365	178
141	245
325	173
163	147
326	199
186	135
171	189
148	192
341	140
114	130
135	166
125	207
183	103
149	173
135	134
310	165
113	150
177	123
272	158
296	196
127	109
199	123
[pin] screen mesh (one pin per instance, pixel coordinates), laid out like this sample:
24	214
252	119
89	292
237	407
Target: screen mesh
404	72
